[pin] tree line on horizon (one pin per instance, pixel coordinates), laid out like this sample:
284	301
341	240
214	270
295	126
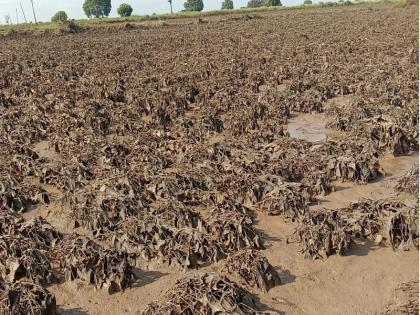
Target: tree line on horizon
102	8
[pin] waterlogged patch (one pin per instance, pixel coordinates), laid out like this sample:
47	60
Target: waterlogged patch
309	127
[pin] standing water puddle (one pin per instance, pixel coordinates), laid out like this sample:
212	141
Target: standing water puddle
309	127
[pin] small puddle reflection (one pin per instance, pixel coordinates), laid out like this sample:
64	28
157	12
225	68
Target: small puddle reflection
309	127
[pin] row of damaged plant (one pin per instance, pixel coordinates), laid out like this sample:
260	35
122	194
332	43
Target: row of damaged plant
322	233
33	255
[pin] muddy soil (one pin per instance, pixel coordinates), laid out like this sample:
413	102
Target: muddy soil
184	122
367	274
309	127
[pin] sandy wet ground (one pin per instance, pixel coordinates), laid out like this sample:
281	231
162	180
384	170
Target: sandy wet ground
361	282
309	127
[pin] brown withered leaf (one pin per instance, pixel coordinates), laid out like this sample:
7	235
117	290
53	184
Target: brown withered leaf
253	268
203	294
27	298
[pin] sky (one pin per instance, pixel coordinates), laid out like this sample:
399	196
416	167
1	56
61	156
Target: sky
45	9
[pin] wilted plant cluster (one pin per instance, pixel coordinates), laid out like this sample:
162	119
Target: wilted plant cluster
326	232
202	294
34	254
252	268
409	183
407	292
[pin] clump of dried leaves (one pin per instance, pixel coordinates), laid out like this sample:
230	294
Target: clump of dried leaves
186	241
26	298
233	230
18	196
253	268
322	234
409	183
26	248
388	128
325	232
35	250
203	294
21	257
82	258
406	300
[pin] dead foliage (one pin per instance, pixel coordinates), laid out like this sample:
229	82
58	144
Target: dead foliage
233	231
319	183
103	210
185	246
82	258
176	214
142	238
288	199
9	220
326	232
203	294
40	231
252	268
323	234
188	248
26	298
26	249
382	125
35	250
409	183
406	300
356	167
20	257
388	220
18	196
403	229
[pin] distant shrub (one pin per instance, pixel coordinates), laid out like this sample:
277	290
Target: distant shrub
272	3
307	2
263	3
227	5
345	2
255	3
125	10
70	26
327	4
60	16
194	5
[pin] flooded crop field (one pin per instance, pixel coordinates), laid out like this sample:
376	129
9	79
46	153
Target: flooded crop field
242	164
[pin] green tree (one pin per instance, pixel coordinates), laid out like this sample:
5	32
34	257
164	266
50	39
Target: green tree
125	9
307	2
97	8
254	3
194	5
106	7
272	3
227	5
60	16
